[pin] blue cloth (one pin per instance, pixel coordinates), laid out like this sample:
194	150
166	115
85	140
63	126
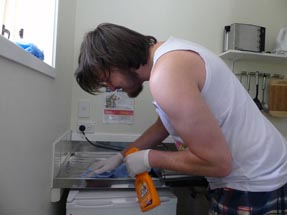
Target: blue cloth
31	48
119	172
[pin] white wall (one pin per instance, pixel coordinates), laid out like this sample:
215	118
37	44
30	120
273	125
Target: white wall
199	20
34	112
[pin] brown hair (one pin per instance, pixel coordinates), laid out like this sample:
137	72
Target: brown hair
110	46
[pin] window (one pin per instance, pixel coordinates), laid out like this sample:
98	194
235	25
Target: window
35	20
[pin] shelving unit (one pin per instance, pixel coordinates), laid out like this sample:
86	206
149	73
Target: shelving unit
235	55
232	56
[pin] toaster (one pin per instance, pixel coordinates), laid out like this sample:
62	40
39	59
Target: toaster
244	37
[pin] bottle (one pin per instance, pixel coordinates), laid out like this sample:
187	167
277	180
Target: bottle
147	195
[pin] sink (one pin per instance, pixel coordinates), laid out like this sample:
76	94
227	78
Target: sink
72	158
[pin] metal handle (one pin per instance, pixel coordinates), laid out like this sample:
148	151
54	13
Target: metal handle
257	77
248	81
5	31
21	33
264	81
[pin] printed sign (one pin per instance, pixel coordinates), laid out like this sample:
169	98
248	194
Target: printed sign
119	108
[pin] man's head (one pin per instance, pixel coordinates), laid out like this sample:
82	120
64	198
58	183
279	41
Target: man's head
108	48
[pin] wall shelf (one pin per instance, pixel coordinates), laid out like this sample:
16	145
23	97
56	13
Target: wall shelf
234	55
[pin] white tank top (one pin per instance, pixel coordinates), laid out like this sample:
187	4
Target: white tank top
258	149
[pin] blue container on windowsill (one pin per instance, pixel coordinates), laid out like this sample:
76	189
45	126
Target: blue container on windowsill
31	48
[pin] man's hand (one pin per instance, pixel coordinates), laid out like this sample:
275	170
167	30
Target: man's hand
137	162
107	164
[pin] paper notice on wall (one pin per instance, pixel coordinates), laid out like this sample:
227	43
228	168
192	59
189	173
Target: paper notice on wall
119	108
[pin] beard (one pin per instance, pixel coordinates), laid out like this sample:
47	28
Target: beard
135	92
135	84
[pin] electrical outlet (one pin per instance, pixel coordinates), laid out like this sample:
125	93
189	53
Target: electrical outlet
90	127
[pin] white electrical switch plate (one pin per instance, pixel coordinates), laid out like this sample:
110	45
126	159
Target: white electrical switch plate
84	109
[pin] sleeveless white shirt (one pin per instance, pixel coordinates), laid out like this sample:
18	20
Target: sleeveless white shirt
258	149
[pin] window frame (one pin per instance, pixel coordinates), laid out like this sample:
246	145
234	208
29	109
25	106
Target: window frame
9	50
12	52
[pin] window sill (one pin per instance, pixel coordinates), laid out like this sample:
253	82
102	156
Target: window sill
16	54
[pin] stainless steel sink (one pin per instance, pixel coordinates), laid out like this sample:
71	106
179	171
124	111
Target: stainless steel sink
72	158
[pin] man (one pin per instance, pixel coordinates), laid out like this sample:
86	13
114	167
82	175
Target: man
201	104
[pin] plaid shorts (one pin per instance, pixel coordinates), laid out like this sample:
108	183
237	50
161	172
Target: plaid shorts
234	202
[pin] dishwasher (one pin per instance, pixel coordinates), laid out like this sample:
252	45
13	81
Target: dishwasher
100	196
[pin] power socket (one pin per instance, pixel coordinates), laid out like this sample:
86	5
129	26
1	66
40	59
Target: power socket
90	127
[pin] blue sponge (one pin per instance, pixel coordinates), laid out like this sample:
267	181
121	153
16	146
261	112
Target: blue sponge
119	172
